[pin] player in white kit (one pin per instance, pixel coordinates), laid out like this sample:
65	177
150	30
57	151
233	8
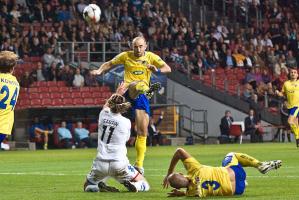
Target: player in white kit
112	160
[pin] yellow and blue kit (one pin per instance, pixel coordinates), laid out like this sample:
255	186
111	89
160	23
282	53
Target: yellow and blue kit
9	92
214	181
135	69
291	90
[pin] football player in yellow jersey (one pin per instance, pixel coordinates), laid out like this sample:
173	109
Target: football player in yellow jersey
138	66
290	90
9	91
202	180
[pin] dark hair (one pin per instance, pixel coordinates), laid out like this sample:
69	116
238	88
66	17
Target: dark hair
117	103
8	61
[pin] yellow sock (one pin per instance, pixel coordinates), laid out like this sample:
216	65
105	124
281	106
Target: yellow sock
246	160
294	129
140	146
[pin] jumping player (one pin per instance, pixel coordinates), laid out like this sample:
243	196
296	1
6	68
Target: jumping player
138	64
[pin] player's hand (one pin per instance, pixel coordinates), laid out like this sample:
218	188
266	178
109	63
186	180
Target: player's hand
277	92
176	193
165	182
153	68
96	72
122	88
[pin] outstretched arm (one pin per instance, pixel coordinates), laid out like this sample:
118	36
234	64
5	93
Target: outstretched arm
180	154
164	69
104	67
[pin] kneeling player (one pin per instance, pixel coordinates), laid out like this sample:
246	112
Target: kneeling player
111	160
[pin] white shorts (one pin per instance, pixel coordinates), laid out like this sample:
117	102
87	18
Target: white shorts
119	170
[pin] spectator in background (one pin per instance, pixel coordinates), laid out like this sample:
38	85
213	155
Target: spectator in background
154	135
64	135
82	135
90	80
252	126
66	74
48	59
38	74
26	80
225	123
78	79
39	133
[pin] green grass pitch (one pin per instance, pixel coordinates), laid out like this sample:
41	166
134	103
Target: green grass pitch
59	174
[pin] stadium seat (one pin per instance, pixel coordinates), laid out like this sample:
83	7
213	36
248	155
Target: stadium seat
236	130
88	101
55	95
57	102
34	96
32	90
46	102
67	102
35	103
51	83
78	101
64	89
65	95
84	89
97	94
60	84
53	89
99	101
93	127
43	89
76	94
41	84
45	95
85	94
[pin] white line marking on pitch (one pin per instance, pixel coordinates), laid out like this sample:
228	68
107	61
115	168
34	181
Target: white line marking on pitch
78	174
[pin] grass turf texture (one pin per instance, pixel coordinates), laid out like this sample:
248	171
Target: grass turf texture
59	174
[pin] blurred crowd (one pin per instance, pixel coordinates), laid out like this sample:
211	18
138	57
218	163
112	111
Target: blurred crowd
264	51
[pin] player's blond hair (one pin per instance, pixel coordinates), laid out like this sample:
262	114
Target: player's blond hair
117	103
8	61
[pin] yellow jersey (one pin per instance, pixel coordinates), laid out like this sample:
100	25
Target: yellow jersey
9	92
207	181
136	67
291	91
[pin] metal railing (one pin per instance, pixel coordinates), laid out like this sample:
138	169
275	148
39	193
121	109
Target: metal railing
192	121
90	51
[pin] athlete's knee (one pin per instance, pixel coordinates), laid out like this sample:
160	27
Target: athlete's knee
227	159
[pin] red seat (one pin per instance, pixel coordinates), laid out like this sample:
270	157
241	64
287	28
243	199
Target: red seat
31	90
236	130
56	95
51	84
68	101
53	89
105	89
42	84
84	89
46	102
78	101
76	94
45	96
93	127
88	101
97	94
99	101
43	89
95	89
66	95
57	102
85	94
35	103
60	83
64	89
106	94
34	96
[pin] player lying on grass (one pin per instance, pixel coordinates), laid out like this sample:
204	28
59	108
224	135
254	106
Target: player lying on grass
112	160
202	180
